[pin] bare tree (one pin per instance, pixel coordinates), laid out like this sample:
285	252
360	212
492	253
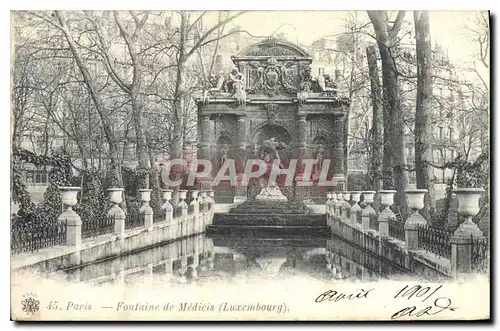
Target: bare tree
424	109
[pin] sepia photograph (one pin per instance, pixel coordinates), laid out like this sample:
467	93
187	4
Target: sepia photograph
189	165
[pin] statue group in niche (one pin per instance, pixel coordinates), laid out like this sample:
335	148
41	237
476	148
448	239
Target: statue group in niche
324	84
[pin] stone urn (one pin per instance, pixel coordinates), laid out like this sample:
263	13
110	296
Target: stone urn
368	197
115	194
194	194
346	196
69	195
356	196
415	199
468	206
182	195
145	195
167	194
386	198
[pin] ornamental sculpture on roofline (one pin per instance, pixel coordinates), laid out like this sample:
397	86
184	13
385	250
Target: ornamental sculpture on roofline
272	68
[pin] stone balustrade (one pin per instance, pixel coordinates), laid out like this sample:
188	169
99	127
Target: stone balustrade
413	233
191	219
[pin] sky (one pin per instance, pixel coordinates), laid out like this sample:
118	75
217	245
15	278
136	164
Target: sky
306	26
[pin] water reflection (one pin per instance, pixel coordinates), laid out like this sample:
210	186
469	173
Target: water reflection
202	260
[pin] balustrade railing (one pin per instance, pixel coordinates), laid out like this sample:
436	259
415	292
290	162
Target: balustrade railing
97	226
134	219
397	228
30	238
480	254
435	241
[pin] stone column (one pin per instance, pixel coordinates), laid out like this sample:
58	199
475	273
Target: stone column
338	149
333	205
240	157
72	219
367	212
355	208
205	147
183	206
415	199
204	208
386	200
467	232
116	212
146	208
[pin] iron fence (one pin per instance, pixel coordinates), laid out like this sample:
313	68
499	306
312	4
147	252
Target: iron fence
480	254
160	216
33	237
134	219
434	240
97	226
397	228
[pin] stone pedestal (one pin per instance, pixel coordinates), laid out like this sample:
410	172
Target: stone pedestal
73	227
115	195
386	200
462	239
355	208
368	211
167	206
146	209
415	199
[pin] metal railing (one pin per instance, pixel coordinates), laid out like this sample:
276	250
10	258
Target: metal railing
397	228
480	256
134	219
97	226
434	240
33	237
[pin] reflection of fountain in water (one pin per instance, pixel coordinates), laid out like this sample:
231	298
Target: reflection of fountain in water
270	265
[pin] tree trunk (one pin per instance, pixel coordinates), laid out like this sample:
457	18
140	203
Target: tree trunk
377	123
386	40
423	112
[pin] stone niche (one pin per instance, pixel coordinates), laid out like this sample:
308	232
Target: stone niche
269	94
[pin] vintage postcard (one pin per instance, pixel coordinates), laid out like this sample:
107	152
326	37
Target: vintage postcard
250	165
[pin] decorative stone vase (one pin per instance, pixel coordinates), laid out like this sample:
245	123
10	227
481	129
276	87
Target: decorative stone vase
386	197
356	196
167	194
115	194
346	196
182	195
145	195
368	197
468	206
69	195
194	194
415	199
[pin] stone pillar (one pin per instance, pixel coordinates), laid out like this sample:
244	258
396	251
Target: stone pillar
367	212
355	208
194	206
346	207
338	149
206	137
467	232
146	209
183	206
116	212
72	219
386	200
415	199
167	206
210	200
205	208
240	157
